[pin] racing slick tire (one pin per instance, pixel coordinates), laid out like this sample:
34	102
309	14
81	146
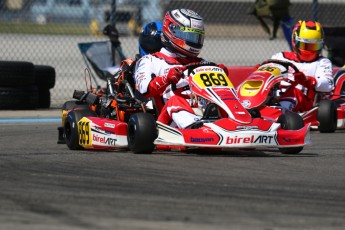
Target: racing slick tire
44	76
67	106
141	133
73	105
16	74
327	116
71	134
291	121
43	98
44	80
19	98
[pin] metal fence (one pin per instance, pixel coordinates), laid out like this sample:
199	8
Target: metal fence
46	32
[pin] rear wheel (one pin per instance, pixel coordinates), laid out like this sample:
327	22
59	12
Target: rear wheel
327	116
141	133
71	134
67	106
291	121
72	105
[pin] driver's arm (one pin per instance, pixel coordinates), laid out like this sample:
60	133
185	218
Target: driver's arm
324	76
152	77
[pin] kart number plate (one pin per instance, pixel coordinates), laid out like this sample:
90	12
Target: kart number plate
211	79
273	70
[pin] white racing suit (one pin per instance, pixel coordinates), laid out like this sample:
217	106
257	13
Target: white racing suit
298	98
173	109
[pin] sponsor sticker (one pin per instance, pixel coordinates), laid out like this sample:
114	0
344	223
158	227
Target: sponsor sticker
253	139
246	103
243	127
197	24
103	140
109	125
201	139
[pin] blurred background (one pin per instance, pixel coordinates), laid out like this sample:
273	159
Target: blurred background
47	32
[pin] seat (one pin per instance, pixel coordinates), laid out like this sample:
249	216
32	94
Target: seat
101	58
211	112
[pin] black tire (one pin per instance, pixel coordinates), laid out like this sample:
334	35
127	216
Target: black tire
141	133
291	121
71	134
44	76
19	97
67	106
43	98
72	105
16	73
327	116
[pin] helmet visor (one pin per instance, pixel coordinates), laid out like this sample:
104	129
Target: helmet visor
309	45
188	34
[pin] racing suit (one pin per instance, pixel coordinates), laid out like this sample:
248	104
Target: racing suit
319	75
150	74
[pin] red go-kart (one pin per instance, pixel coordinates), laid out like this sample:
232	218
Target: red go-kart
262	88
225	124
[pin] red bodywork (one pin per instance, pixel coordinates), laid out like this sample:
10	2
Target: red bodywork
240	73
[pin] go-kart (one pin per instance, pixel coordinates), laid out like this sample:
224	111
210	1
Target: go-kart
104	61
262	88
338	96
225	123
97	118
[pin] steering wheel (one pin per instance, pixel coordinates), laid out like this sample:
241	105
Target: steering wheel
190	67
194	65
286	64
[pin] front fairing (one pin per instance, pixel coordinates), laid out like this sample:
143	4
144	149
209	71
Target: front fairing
227	134
211	83
260	86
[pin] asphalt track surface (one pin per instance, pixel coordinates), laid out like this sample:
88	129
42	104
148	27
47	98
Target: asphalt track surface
46	186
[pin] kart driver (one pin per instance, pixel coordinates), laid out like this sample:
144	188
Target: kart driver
149	41
315	70
150	38
182	39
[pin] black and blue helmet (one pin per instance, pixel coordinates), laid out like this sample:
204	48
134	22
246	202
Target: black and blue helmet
150	38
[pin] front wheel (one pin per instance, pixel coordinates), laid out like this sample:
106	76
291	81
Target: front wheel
291	121
71	134
141	133
327	116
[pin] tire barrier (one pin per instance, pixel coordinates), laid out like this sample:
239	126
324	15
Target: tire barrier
16	74
19	97
44	80
24	85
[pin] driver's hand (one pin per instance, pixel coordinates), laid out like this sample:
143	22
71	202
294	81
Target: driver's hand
306	81
175	74
257	66
300	78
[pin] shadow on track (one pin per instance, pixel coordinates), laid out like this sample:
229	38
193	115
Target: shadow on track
235	153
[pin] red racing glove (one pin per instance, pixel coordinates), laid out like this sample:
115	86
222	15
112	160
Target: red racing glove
175	74
222	66
257	66
306	81
159	83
